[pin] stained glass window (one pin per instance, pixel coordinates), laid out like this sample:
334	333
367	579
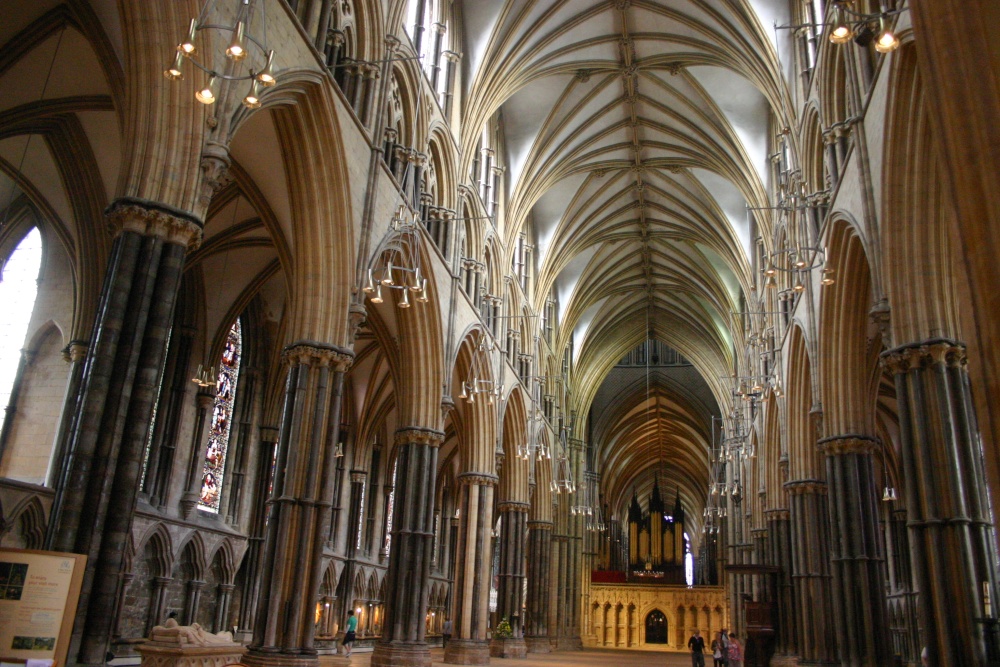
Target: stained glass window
222	421
392	503
18	289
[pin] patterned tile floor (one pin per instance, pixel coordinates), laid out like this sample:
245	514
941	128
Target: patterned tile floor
586	658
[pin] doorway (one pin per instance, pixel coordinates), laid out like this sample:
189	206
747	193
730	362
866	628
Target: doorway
656	627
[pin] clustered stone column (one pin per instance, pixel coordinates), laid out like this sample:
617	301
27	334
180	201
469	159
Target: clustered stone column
469	645
510	598
811	570
951	535
779	554
403	642
536	632
856	552
301	499
114	407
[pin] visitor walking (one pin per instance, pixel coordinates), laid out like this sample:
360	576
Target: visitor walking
697	646
349	636
719	650
735	652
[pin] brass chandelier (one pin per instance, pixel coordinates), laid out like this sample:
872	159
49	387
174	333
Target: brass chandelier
241	45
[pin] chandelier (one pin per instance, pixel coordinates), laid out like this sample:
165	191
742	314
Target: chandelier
479	379
242	45
562	475
534	445
863	28
398	267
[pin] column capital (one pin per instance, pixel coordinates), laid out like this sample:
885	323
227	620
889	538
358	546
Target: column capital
513	506
777	514
131	214
541	525
358	476
317	354
918	355
479	478
418	435
76	351
269	434
847	444
801	487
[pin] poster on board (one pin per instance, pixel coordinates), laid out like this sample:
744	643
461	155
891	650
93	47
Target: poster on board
39	591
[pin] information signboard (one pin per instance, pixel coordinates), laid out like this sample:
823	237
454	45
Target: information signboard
39	591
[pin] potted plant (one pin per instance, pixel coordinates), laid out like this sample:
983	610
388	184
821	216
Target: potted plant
505	644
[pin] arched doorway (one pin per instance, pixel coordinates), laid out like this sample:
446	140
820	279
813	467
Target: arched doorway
656	627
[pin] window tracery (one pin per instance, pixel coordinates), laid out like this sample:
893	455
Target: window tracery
18	290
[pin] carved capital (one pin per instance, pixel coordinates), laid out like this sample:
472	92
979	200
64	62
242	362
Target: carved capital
357	315
478	478
151	219
391	45
358	476
513	506
778	514
802	487
921	355
416	435
318	355
269	434
848	444
215	162
76	351
540	525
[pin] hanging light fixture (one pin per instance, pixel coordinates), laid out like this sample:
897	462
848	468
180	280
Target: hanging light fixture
841	33
827	279
400	252
887	42
242	46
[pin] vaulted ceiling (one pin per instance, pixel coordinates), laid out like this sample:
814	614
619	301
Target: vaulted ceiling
636	136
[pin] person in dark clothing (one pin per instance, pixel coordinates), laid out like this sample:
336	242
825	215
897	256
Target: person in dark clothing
697	646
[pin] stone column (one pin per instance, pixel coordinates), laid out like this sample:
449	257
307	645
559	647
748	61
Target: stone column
75	354
283	633
468	645
403	631
510	598
252	558
811	570
157	603
779	553
856	552
204	400
223	598
193	601
118	389
951	533
536	628
345	588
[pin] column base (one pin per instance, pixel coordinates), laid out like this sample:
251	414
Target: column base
466	652
538	644
512	647
569	644
260	658
399	654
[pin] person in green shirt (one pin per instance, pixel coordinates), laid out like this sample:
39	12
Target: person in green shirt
349	636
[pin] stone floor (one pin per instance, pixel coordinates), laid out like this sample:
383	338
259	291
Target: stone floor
584	658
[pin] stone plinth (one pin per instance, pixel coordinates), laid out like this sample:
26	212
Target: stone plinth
164	654
467	652
538	644
401	654
510	647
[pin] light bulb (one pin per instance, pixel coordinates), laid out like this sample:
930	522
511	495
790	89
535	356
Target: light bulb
405	302
422	295
174	72
770	270
207	94
187	47
370	287
237	49
252	101
378	295
827	277
266	75
841	33
798	287
387	278
886	42
770	283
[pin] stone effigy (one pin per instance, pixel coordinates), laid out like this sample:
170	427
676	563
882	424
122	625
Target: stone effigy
175	645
